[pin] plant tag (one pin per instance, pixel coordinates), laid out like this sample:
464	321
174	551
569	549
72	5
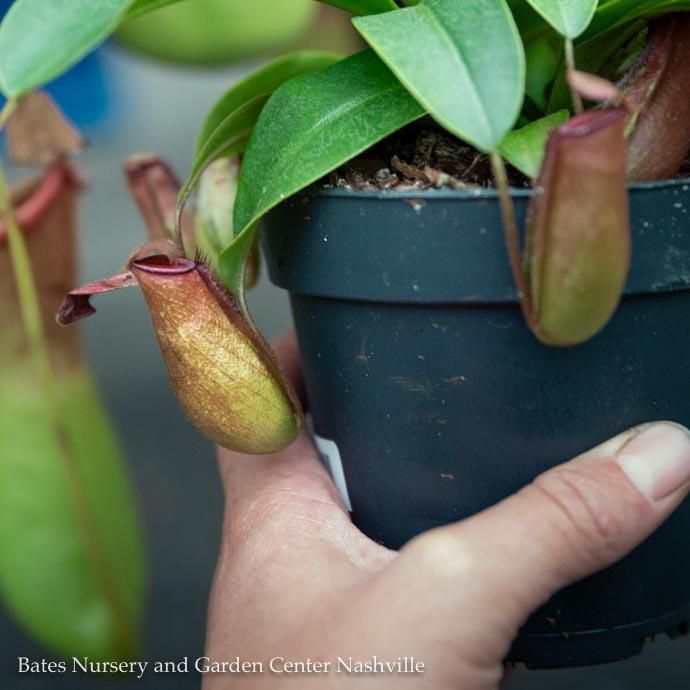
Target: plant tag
331	457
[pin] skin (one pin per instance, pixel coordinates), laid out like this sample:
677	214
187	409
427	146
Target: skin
296	579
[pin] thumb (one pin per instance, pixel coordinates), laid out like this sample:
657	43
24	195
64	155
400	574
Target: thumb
571	522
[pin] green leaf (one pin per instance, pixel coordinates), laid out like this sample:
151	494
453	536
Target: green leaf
216	32
39	40
592	55
262	82
71	562
543	60
362	6
310	126
139	7
613	13
569	17
524	148
465	66
530	24
229	123
228	139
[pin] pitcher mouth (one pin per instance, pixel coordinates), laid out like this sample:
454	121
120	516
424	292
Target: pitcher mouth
162	265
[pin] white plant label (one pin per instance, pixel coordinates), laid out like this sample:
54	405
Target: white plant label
331	457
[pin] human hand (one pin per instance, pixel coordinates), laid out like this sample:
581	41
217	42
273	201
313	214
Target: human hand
295	578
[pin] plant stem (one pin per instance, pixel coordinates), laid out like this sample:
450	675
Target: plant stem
30	308
26	289
510	231
7	111
29	303
570	64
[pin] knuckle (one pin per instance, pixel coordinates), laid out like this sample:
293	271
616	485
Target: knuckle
441	552
585	514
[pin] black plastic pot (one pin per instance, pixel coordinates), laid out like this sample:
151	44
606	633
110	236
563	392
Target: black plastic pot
440	401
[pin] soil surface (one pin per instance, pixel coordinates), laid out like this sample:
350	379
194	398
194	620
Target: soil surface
421	156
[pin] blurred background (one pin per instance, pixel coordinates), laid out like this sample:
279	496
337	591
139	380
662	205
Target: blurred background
128	103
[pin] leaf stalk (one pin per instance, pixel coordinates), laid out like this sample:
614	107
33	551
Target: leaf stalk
578	105
512	238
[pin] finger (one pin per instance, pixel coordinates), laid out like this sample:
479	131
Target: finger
572	521
296	470
281	505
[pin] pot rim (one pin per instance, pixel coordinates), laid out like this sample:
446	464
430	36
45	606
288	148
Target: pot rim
470	193
447	246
